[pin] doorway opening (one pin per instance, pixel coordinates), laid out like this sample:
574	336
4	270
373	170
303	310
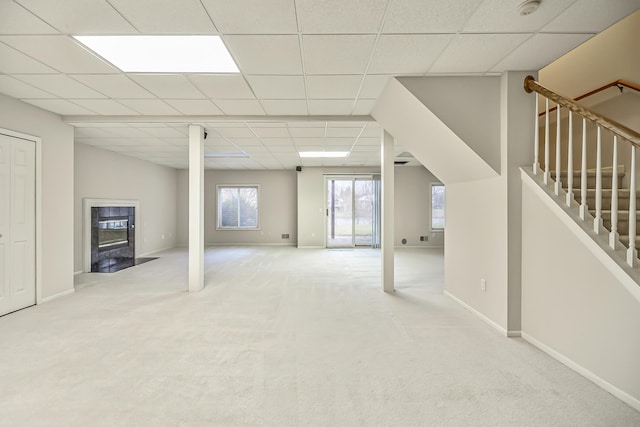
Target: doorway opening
353	211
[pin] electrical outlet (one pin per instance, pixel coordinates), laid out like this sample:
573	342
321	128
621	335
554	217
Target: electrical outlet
483	285
424	238
285	235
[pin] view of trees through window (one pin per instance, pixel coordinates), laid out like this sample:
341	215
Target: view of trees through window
238	207
437	207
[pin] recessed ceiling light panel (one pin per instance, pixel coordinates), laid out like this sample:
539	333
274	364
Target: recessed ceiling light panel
324	154
163	54
226	155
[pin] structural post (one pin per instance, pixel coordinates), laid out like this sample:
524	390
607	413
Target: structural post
387	240
196	208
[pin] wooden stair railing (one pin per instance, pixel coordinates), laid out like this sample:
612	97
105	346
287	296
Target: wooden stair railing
619	132
620	84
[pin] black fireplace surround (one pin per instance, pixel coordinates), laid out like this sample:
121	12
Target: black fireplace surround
112	238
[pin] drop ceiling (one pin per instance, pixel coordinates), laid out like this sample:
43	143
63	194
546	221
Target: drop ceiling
296	57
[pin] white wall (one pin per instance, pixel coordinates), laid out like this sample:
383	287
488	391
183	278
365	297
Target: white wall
312	204
102	174
57	188
277	207
413	207
572	304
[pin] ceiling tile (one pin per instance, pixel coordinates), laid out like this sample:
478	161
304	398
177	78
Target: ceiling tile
278	87
370	140
420	16
476	53
539	51
113	85
239	107
17	89
105	107
15	19
15	62
306	142
277	54
364	107
270	132
223	86
337	54
165	132
591	15
131	132
306	132
373	85
246	142
253	16
407	54
493	17
80	16
285	107
60	85
60	52
337	107
166	16
168	86
333	87
237	132
194	107
340	16
59	106
152	107
341	132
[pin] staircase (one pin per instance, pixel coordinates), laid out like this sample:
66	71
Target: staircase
607	192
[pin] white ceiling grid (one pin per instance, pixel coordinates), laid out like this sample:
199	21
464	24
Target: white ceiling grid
296	58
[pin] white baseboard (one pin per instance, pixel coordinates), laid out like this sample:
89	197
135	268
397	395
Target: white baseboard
56	296
250	244
146	254
488	321
420	246
75	273
312	247
620	394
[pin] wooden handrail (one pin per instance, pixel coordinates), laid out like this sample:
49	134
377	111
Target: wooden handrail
531	85
617	83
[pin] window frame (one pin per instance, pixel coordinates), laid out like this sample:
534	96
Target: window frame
219	226
436	230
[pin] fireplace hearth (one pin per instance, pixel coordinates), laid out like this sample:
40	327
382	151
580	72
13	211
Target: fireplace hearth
112	238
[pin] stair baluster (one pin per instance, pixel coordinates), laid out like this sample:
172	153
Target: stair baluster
570	161
583	173
547	168
632	253
536	138
613	235
597	220
558	184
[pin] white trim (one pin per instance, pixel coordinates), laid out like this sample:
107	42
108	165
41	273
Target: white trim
218	208
58	295
620	394
87	204
249	244
420	246
71	119
38	224
75	273
312	247
488	321
514	334
597	244
146	254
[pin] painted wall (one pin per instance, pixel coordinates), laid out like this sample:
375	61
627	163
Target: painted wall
57	188
102	174
608	56
277	207
574	305
413	207
476	246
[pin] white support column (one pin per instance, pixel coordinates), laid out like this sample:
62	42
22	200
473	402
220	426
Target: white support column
387	240
196	208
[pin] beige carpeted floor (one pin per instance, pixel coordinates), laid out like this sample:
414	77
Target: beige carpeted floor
280	337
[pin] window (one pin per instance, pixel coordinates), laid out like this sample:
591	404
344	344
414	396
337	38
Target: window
238	207
437	207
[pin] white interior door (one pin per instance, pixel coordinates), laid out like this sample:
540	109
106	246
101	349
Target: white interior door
17	224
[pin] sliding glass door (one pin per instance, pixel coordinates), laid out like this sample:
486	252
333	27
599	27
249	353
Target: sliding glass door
350	211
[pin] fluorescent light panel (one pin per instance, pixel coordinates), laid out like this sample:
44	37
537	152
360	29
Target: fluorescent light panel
225	155
323	154
163	54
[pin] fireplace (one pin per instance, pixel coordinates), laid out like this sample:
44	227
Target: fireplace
112	238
